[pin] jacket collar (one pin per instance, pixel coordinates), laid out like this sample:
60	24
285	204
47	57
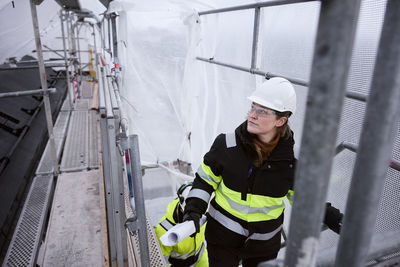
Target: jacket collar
282	151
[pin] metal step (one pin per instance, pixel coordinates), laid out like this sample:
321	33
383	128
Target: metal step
28	233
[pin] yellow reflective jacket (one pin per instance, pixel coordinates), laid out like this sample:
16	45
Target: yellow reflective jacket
190	251
249	200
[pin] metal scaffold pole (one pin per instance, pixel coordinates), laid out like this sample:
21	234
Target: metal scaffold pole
256	30
78	28
332	54
70	94
374	153
43	81
131	143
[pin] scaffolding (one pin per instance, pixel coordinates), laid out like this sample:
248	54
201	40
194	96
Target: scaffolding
327	84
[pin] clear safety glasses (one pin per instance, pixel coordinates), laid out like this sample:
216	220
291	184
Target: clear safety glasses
260	111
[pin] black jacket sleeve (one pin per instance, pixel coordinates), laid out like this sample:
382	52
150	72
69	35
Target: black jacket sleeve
198	205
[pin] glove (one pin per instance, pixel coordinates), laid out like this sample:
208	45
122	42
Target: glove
333	218
195	217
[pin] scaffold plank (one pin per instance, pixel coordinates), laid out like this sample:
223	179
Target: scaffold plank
82	104
75	155
76	232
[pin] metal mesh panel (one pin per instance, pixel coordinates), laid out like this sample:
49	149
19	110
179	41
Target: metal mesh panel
156	257
24	244
389	208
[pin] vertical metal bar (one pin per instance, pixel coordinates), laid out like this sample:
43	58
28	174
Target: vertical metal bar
70	44
374	152
256	30
139	199
95	46
332	54
79	56
117	195
73	52
107	185
70	97
43	81
114	34
108	33
100	71
103	37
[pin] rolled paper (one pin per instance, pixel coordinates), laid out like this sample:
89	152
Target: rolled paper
179	232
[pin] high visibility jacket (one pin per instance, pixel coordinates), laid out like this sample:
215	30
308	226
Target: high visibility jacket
190	251
248	199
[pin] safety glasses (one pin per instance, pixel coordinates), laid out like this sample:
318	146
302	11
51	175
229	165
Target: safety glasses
260	111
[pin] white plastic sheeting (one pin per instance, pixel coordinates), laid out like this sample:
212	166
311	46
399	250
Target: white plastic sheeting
171	96
177	104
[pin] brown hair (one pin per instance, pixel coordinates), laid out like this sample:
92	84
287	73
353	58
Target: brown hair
284	131
264	150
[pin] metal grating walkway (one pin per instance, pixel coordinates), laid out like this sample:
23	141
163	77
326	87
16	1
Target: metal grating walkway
81	149
60	129
76	156
29	230
82	104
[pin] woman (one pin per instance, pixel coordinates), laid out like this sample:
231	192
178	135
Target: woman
250	171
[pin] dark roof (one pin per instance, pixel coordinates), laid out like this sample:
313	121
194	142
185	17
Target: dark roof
19	158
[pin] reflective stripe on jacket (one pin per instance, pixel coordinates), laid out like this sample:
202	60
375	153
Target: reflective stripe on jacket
190	250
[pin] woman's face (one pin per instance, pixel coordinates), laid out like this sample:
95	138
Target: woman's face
263	122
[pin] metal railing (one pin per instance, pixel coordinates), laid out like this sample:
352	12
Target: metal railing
374	152
116	145
253	67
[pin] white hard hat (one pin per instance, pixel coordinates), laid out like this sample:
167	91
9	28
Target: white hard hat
276	93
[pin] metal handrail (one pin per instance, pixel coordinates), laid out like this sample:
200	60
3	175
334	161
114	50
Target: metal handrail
267	75
255	5
353	147
27	92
